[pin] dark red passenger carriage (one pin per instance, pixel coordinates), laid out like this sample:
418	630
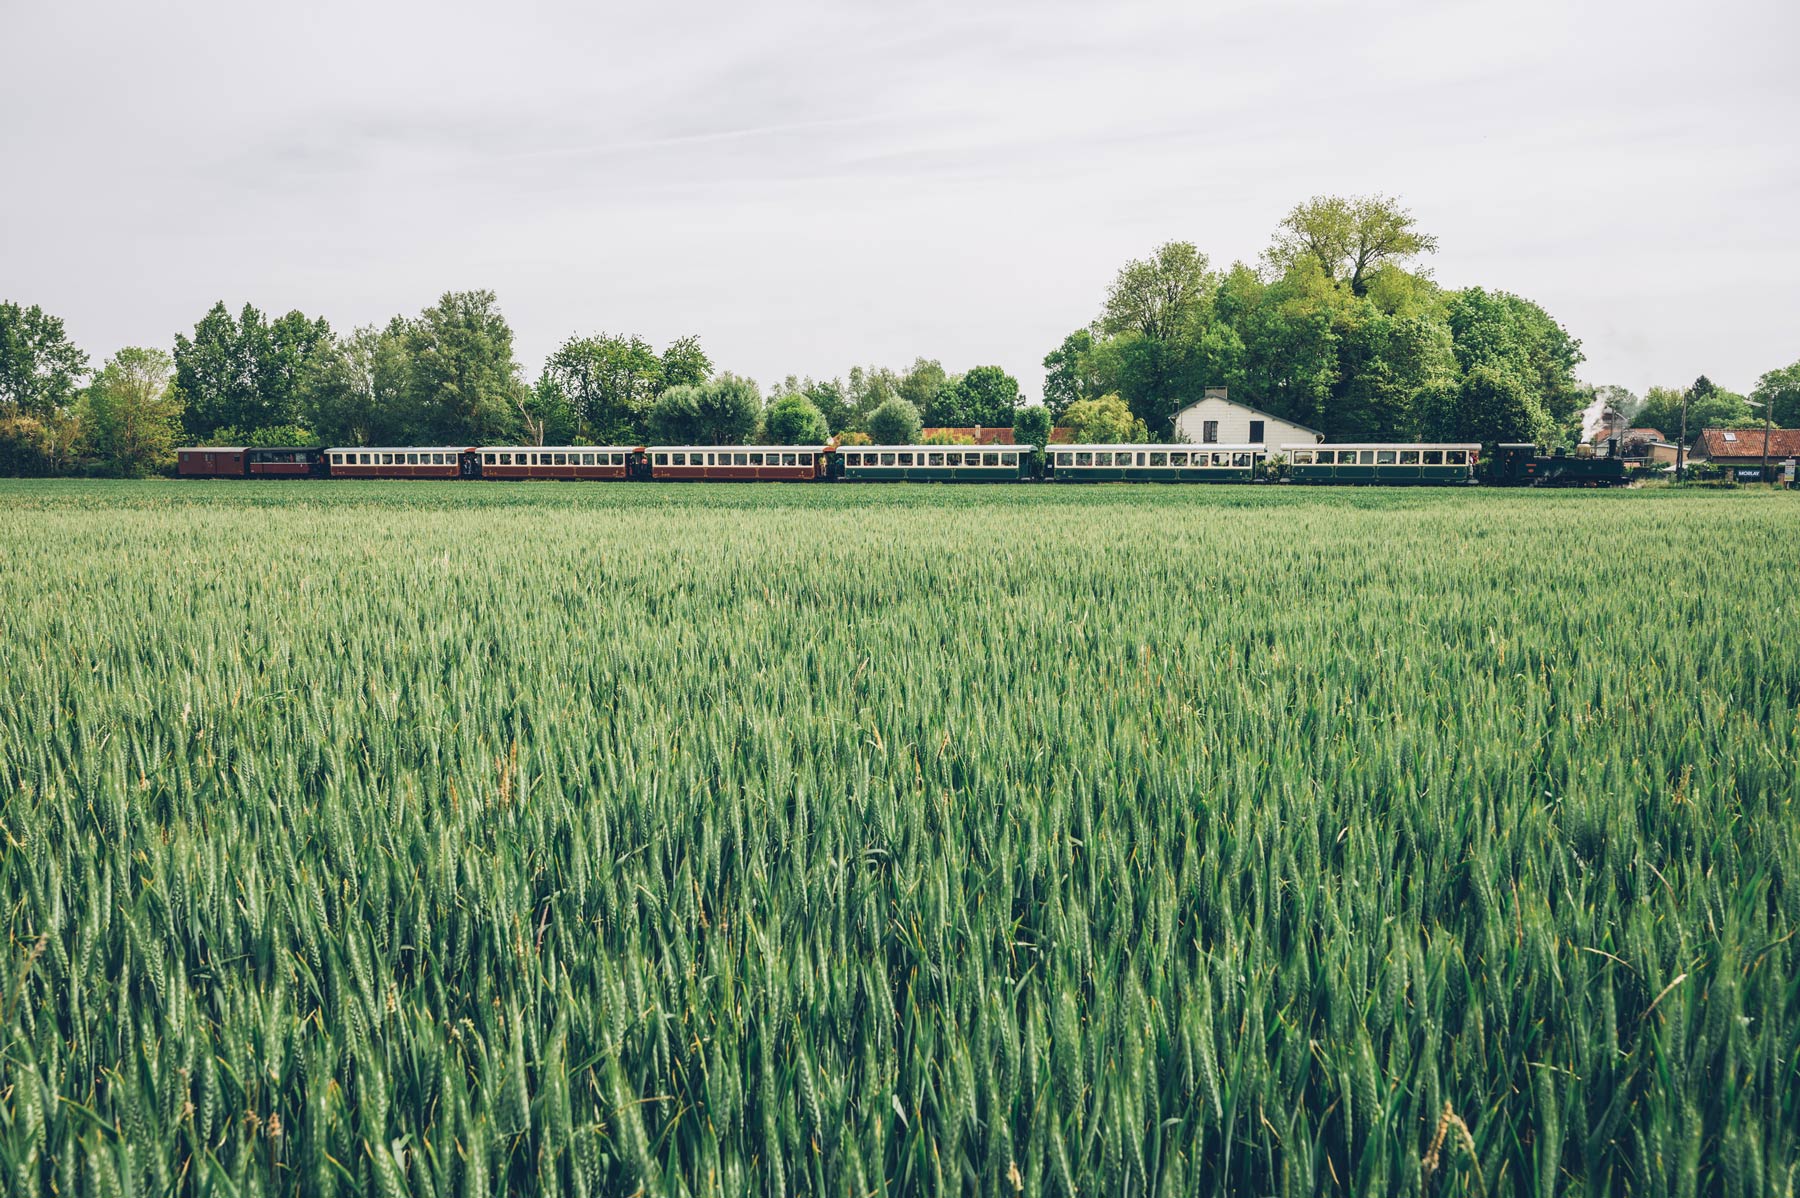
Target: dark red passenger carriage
557	461
437	461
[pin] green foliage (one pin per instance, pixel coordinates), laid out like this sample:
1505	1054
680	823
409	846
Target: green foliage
263	438
246	373
1490	405
722	412
1781	390
356	388
986	396
1339	335
1069	373
40	368
1103	421
670	852
1032	426
793	420
684	363
946	436
42	445
895	422
1349	239
133	413
1708	405
462	384
610	383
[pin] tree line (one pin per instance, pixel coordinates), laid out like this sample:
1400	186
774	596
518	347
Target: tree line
1337	326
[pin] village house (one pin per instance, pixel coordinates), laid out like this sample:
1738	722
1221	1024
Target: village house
1216	420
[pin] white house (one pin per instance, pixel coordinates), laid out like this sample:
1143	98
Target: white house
1215	420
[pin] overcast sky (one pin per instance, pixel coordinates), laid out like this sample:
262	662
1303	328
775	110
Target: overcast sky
813	186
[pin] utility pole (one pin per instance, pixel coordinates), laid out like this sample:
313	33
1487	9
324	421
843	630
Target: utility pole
1681	449
1768	419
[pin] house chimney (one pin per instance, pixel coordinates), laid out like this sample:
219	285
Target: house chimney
1217	393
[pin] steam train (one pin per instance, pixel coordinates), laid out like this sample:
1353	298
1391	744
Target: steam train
1380	464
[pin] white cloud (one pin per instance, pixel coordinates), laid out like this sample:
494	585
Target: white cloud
812	186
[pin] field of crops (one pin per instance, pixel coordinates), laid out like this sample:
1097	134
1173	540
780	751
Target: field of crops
611	839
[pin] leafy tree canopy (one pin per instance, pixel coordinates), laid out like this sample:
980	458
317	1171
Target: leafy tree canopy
1106	420
40	368
793	420
1349	238
895	422
1032	425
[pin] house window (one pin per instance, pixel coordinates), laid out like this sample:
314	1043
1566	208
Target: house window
1209	432
1256	432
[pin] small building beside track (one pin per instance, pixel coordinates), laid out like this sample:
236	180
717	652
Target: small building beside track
1216	420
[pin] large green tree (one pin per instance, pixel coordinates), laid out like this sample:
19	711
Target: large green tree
247	373
1032	425
895	422
462	381
1107	420
1069	372
40	368
1489	405
793	420
355	389
721	412
134	412
611	381
1780	389
1349	238
985	395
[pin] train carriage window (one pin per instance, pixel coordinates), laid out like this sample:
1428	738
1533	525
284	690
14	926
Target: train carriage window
618	459
1084	459
680	459
906	459
365	460
756	459
1179	458
412	459
852	459
1065	459
489	459
1455	457
1158	459
1385	457
1434	457
662	459
936	459
1303	457
562	459
1365	457
1240	460
990	459
1102	459
887	459
1409	457
806	459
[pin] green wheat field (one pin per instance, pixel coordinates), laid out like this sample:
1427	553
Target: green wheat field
470	839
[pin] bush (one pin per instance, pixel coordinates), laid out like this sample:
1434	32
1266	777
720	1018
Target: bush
793	420
895	422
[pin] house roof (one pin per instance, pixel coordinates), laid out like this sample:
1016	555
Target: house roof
1746	443
1628	434
991	436
1255	411
976	433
